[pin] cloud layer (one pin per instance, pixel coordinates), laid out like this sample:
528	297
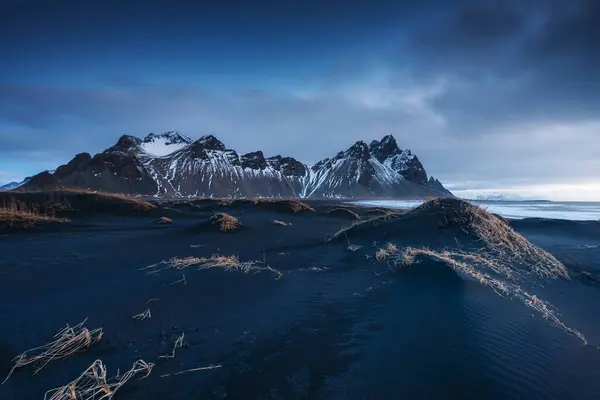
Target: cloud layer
487	93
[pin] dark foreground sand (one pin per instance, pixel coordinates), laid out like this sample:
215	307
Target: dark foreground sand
338	324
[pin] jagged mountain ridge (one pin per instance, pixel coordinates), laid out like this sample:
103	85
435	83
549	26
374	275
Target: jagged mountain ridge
171	164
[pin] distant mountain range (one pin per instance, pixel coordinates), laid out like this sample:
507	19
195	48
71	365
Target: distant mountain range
171	164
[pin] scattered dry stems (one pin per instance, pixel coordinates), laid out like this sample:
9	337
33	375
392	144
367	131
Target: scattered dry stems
68	341
215	261
143	315
93	384
178	344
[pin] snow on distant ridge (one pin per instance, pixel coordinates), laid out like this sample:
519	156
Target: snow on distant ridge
14	185
162	144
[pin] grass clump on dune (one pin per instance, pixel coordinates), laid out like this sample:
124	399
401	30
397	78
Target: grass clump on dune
227	222
67	342
473	242
94	384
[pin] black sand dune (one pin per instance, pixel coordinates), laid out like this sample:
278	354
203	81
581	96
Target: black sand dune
334	322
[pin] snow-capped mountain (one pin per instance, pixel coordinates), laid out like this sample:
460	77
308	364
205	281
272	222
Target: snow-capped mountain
171	164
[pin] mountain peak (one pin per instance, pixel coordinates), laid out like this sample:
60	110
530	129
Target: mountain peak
126	144
385	148
162	144
359	149
210	142
254	160
170	137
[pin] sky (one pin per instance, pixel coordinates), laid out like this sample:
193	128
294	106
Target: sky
495	96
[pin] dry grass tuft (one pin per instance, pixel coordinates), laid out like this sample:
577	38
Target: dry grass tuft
215	261
386	252
164	220
68	341
93	383
227	223
502	241
281	223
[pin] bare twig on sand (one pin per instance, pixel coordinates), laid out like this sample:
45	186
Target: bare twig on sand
68	341
352	247
178	344
281	223
143	315
182	280
93	384
192	370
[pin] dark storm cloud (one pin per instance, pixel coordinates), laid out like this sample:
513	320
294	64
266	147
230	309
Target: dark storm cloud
509	61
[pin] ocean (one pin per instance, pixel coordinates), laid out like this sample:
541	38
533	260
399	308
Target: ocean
567	210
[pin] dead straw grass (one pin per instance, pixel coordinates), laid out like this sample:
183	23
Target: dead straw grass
298	207
385	252
228	263
178	344
67	342
143	315
227	222
281	223
198	369
16	214
93	383
141	204
343	212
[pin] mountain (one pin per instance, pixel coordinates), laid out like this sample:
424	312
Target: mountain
492	196
172	164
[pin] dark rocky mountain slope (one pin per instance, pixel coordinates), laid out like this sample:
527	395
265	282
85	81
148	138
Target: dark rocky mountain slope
171	164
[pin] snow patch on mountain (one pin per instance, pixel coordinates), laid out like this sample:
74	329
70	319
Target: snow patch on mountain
162	144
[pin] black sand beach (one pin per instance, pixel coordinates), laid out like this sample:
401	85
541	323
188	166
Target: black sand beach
329	320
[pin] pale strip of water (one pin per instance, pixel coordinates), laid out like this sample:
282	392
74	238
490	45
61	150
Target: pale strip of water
574	211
